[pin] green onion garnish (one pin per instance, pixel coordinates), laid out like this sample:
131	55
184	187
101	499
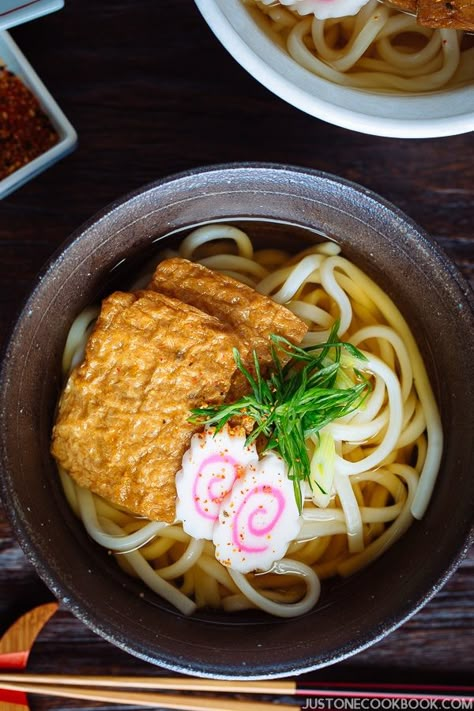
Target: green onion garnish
319	384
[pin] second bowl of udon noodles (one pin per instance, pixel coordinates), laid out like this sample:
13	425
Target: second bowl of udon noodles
366	86
279	207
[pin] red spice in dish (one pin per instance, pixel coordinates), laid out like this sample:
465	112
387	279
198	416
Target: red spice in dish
25	130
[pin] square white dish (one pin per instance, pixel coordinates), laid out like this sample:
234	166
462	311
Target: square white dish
15	12
16	62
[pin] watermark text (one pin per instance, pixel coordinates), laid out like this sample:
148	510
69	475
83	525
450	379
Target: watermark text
398	703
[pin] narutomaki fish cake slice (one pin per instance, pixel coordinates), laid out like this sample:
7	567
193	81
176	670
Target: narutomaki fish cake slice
122	426
252	316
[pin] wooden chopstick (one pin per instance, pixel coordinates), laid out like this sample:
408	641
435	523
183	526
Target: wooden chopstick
156	683
135	698
16	642
191	684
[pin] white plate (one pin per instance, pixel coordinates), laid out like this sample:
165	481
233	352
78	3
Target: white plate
14	12
19	65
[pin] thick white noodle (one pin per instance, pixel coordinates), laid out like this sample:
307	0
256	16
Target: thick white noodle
355	432
120	543
244	278
317	529
372	405
352	514
330	249
296	277
387	445
390	335
328	522
318	316
409	409
77	338
414	428
239	265
368	514
206	233
189	558
329	283
368	25
314	338
212	568
433	422
391	534
69	490
372	57
150	576
284	566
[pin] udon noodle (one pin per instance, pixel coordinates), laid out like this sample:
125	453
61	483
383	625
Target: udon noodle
379	48
387	453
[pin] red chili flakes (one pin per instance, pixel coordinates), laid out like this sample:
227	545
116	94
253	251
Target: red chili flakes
25	130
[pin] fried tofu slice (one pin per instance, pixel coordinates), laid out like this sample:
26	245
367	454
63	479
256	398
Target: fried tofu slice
122	426
252	316
405	5
449	14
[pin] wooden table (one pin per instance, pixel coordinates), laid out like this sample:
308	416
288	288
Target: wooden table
150	92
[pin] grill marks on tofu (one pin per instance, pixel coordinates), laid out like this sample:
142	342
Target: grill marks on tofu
252	316
122	426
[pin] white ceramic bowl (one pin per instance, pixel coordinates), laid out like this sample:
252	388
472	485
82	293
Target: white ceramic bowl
443	113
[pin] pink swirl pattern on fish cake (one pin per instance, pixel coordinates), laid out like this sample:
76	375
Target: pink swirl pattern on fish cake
258	518
209	469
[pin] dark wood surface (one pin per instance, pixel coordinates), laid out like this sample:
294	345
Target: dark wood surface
150	92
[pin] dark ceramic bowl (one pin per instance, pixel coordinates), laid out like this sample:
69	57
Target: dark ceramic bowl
290	207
